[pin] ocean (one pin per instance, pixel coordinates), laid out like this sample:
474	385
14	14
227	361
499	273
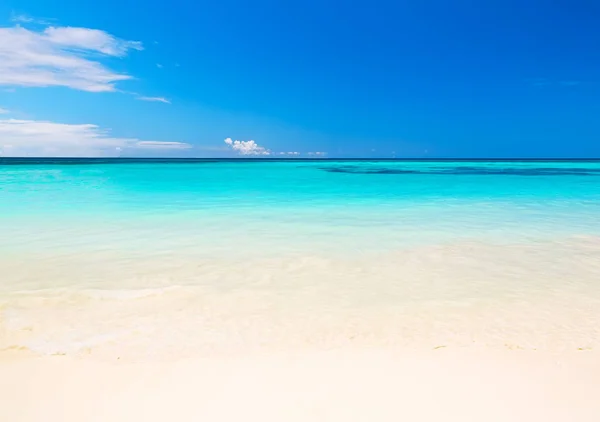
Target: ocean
155	259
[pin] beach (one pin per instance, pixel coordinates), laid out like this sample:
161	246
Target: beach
310	290
367	385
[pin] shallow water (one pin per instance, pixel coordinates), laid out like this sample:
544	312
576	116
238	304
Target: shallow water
161	259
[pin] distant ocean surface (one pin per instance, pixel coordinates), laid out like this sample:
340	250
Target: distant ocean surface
161	259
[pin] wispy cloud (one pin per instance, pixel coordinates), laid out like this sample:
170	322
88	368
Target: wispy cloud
162	145
160	66
246	147
61	56
23	18
49	139
317	154
3	111
91	40
155	99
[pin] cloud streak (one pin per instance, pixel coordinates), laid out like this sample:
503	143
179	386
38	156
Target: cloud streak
61	56
49	139
155	99
162	145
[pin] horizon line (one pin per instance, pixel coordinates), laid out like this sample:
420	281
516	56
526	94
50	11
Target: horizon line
30	158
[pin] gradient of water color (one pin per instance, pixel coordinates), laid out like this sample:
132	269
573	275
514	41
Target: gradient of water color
178	258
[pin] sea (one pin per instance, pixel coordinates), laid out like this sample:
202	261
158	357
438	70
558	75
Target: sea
172	259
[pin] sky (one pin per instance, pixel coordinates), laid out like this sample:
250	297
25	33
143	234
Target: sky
311	79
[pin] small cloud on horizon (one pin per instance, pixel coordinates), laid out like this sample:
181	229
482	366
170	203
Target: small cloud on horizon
246	147
252	148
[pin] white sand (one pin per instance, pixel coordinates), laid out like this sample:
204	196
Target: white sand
460	333
346	385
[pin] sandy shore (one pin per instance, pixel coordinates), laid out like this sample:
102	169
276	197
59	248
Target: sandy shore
447	333
345	385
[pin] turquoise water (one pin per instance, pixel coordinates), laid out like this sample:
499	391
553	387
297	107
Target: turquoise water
209	255
276	207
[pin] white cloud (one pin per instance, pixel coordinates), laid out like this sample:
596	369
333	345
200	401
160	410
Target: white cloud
61	56
318	153
155	99
3	111
50	139
289	153
246	147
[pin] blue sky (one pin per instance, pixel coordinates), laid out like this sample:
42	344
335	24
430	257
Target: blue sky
363	79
